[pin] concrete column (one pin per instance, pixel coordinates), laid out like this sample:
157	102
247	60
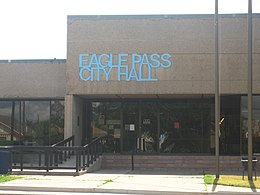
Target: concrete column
74	117
68	116
78	119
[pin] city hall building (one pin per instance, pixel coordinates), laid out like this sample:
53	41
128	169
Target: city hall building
146	82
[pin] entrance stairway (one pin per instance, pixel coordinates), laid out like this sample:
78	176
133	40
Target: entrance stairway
94	166
61	158
66	168
200	164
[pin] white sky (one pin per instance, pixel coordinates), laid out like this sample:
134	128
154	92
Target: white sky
36	29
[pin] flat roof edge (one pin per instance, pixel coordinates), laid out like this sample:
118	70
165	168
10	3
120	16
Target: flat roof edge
33	60
154	16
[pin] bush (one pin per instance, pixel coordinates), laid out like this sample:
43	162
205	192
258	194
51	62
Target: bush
7	143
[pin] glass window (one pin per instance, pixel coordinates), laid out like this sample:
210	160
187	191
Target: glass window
184	127
18	121
32	122
37	119
149	128
229	140
106	121
255	124
181	126
130	125
57	121
5	120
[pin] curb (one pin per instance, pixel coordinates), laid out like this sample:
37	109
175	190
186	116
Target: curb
115	191
94	190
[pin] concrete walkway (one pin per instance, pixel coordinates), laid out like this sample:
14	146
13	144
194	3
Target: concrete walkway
124	182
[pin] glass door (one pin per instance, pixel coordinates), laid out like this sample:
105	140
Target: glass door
130	126
148	138
106	121
140	127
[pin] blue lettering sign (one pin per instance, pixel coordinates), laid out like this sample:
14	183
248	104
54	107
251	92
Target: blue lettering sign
127	67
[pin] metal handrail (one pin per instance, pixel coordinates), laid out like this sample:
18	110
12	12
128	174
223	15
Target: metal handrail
48	157
66	142
64	155
92	150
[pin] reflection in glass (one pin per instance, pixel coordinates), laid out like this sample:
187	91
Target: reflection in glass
106	121
37	119
229	140
57	121
32	122
149	127
255	124
130	125
184	127
5	120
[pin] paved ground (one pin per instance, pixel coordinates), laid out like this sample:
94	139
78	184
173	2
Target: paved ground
119	182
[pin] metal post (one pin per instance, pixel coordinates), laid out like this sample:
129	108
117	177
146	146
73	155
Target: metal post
88	156
24	126
20	122
132	159
49	133
121	127
83	158
21	159
47	160
250	98
217	98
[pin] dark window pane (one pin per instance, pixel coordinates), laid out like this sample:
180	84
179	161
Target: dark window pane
229	140
5	120
37	117
57	121
106	121
130	125
255	124
184	127
18	121
149	135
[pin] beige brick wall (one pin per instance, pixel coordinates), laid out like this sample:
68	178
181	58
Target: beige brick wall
189	39
32	79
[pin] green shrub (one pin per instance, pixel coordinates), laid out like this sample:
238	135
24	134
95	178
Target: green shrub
9	143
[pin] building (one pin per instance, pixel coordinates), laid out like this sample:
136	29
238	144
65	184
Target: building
147	82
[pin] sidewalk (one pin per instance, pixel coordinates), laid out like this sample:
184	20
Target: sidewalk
123	181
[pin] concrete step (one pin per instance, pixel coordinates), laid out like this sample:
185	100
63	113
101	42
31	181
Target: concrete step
168	162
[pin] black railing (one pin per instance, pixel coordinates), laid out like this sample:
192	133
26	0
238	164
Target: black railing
92	151
48	157
66	142
62	156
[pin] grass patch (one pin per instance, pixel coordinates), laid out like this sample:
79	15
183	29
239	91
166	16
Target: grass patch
5	178
107	181
232	180
209	179
33	178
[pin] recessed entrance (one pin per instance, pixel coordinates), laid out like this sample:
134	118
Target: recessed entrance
150	127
